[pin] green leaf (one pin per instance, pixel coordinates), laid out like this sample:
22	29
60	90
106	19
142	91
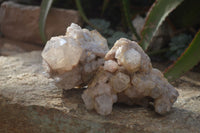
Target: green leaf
156	15
126	10
80	9
191	17
105	5
177	45
44	10
188	59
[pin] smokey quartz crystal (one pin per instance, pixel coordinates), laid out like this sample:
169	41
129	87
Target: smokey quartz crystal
73	59
128	77
122	74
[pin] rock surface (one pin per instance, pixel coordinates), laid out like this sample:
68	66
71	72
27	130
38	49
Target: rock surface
30	102
11	47
74	58
20	22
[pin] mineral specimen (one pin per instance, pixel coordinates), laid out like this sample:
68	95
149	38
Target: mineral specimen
127	76
123	74
73	59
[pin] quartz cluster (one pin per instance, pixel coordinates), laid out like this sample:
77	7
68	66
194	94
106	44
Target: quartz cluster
73	59
123	74
127	76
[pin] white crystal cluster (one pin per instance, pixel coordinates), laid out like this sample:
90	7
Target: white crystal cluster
127	76
123	74
73	59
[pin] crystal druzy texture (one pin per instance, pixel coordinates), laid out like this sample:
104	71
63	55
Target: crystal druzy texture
73	59
123	74
127	76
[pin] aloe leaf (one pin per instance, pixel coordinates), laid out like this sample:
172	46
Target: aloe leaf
186	61
156	15
126	10
105	5
80	9
44	10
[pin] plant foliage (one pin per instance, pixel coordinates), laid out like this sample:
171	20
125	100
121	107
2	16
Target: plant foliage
188	59
80	9
156	15
44	10
126	10
117	35
105	29
105	5
178	45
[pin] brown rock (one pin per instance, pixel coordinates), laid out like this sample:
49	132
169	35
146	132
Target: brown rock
20	22
10	47
31	103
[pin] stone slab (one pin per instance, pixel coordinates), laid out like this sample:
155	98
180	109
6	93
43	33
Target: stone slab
21	22
11	47
30	102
